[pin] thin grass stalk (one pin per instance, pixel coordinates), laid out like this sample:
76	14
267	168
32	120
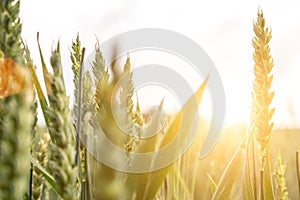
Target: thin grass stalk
230	174
261	178
88	185
29	64
298	171
196	166
79	101
253	153
88	107
79	127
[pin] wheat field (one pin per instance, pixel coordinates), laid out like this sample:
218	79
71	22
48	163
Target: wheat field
58	159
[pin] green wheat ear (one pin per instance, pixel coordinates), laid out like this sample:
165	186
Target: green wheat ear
10	30
75	55
16	120
62	148
16	116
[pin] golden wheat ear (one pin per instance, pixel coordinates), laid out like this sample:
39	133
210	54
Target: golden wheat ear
281	191
262	112
262	96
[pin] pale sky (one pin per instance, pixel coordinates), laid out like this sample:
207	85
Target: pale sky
222	28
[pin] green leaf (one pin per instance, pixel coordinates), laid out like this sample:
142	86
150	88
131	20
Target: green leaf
47	75
46	174
146	185
41	96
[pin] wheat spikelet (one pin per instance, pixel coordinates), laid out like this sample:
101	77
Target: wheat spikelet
40	153
10	30
133	120
280	181
75	56
29	64
261	96
101	82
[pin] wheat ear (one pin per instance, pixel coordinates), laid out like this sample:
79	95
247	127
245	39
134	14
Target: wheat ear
261	102
280	181
41	155
62	149
16	117
261	95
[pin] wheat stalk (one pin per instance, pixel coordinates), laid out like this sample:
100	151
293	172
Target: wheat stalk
298	171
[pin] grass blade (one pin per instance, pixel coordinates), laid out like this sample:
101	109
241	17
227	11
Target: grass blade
46	174
147	184
228	178
213	185
248	193
47	75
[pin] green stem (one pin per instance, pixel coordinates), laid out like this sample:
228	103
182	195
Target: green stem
79	98
89	193
30	181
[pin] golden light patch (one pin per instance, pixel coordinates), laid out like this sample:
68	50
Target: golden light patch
11	77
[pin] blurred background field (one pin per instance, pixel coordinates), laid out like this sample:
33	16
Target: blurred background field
285	141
